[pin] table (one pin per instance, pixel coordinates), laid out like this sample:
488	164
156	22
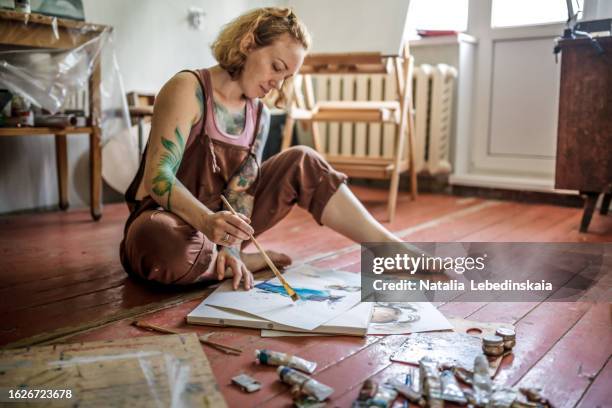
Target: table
38	31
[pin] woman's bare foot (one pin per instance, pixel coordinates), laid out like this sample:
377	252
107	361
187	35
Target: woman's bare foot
255	261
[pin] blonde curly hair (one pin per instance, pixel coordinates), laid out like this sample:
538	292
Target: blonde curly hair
265	25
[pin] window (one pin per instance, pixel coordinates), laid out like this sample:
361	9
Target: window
438	15
512	13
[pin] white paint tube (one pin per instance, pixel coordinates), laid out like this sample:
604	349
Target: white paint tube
450	388
276	358
431	387
503	398
306	384
482	383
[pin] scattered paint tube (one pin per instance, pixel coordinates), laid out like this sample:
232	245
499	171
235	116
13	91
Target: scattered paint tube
276	358
522	404
431	387
367	392
306	401
463	374
535	395
406	391
246	383
450	388
503	398
307	385
383	398
482	380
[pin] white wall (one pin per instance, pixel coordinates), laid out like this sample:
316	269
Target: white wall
153	41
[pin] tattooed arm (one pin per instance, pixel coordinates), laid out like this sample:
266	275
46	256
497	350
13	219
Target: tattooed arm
177	107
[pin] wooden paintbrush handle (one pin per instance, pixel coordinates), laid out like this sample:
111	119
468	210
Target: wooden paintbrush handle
218	346
281	278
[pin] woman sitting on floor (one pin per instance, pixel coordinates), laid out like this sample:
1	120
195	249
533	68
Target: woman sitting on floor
207	138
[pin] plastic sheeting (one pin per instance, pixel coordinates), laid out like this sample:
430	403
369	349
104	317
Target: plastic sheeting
50	78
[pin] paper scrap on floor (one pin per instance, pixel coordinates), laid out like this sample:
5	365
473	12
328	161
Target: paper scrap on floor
393	318
324	295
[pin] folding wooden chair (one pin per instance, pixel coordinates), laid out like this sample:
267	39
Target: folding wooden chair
359	159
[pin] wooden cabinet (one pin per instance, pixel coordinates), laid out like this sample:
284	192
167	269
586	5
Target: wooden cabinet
584	143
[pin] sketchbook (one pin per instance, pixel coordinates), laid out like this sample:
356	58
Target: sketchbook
354	322
324	295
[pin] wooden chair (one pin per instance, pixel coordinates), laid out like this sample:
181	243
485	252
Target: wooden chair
140	106
398	112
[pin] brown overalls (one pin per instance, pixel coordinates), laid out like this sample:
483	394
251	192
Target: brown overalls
160	246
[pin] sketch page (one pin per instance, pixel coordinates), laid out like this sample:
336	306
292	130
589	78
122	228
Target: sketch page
324	295
406	317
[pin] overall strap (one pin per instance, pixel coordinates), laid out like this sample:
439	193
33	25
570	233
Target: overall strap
256	130
204	103
203	135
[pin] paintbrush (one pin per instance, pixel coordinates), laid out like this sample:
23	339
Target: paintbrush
201	338
292	293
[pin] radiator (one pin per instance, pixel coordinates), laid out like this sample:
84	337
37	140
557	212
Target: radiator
433	88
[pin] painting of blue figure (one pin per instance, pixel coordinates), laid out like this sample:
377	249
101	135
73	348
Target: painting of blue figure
314	295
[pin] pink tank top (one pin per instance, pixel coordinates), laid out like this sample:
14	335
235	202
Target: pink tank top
214	131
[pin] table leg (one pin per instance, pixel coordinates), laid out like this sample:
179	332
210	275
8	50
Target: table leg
605	204
140	136
95	172
61	160
95	149
590	199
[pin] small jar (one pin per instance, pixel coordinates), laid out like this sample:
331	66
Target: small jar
493	346
509	336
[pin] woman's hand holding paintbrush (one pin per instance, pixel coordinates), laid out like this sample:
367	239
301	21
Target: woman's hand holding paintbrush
294	296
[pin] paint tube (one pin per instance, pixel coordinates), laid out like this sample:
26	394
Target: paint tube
502	398
305	401
463	374
450	388
307	385
384	397
535	395
522	404
406	391
367	392
247	383
431	387
372	395
482	380
276	358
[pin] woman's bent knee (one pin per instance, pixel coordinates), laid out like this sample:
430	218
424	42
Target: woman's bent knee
160	246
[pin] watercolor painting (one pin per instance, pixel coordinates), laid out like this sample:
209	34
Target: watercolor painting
314	295
324	295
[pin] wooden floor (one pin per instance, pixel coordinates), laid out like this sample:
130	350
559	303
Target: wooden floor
61	280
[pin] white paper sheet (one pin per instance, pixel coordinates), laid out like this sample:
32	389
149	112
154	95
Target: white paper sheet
406	317
392	318
325	294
